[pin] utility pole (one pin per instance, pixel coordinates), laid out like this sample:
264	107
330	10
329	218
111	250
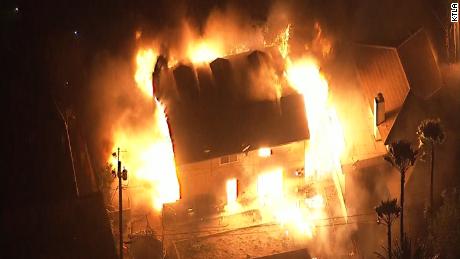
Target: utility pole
121	174
162	230
120	204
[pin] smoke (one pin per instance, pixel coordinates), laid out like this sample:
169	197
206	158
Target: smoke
238	31
126	118
111	100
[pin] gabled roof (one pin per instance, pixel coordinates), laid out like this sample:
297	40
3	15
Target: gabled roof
406	71
296	254
380	71
228	105
419	63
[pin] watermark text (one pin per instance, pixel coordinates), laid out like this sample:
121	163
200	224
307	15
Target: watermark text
454	12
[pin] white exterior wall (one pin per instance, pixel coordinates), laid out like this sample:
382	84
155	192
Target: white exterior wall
208	178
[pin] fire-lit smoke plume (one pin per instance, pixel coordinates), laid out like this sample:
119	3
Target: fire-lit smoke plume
150	155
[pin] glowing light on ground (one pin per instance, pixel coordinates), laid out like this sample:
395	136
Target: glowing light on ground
302	219
287	209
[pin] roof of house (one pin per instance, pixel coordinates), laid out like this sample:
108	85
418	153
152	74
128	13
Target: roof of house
419	63
380	71
403	74
228	105
296	254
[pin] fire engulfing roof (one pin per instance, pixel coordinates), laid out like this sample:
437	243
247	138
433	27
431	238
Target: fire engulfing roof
228	106
400	73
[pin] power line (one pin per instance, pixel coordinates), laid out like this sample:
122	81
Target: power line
265	231
320	219
209	230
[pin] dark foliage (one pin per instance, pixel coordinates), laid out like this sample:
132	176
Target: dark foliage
431	131
446	226
401	155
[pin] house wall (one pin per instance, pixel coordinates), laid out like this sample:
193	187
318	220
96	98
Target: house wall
206	180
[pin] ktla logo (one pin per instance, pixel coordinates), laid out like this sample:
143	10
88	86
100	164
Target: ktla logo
454	12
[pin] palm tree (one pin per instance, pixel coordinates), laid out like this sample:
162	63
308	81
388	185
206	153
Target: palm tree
387	212
401	156
430	133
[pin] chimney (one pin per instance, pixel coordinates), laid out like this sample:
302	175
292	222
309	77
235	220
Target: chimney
379	113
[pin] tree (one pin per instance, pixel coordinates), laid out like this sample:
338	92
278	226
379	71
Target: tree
430	133
387	212
446	226
406	249
105	178
402	156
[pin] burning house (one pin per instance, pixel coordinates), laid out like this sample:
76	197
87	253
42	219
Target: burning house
242	137
219	134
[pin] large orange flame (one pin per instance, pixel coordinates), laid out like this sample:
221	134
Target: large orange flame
289	210
322	158
322	155
204	51
326	137
150	157
145	62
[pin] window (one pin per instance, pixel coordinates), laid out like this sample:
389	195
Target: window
228	159
232	190
270	186
265	152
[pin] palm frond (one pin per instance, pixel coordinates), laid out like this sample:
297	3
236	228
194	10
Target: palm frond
431	131
401	154
382	256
